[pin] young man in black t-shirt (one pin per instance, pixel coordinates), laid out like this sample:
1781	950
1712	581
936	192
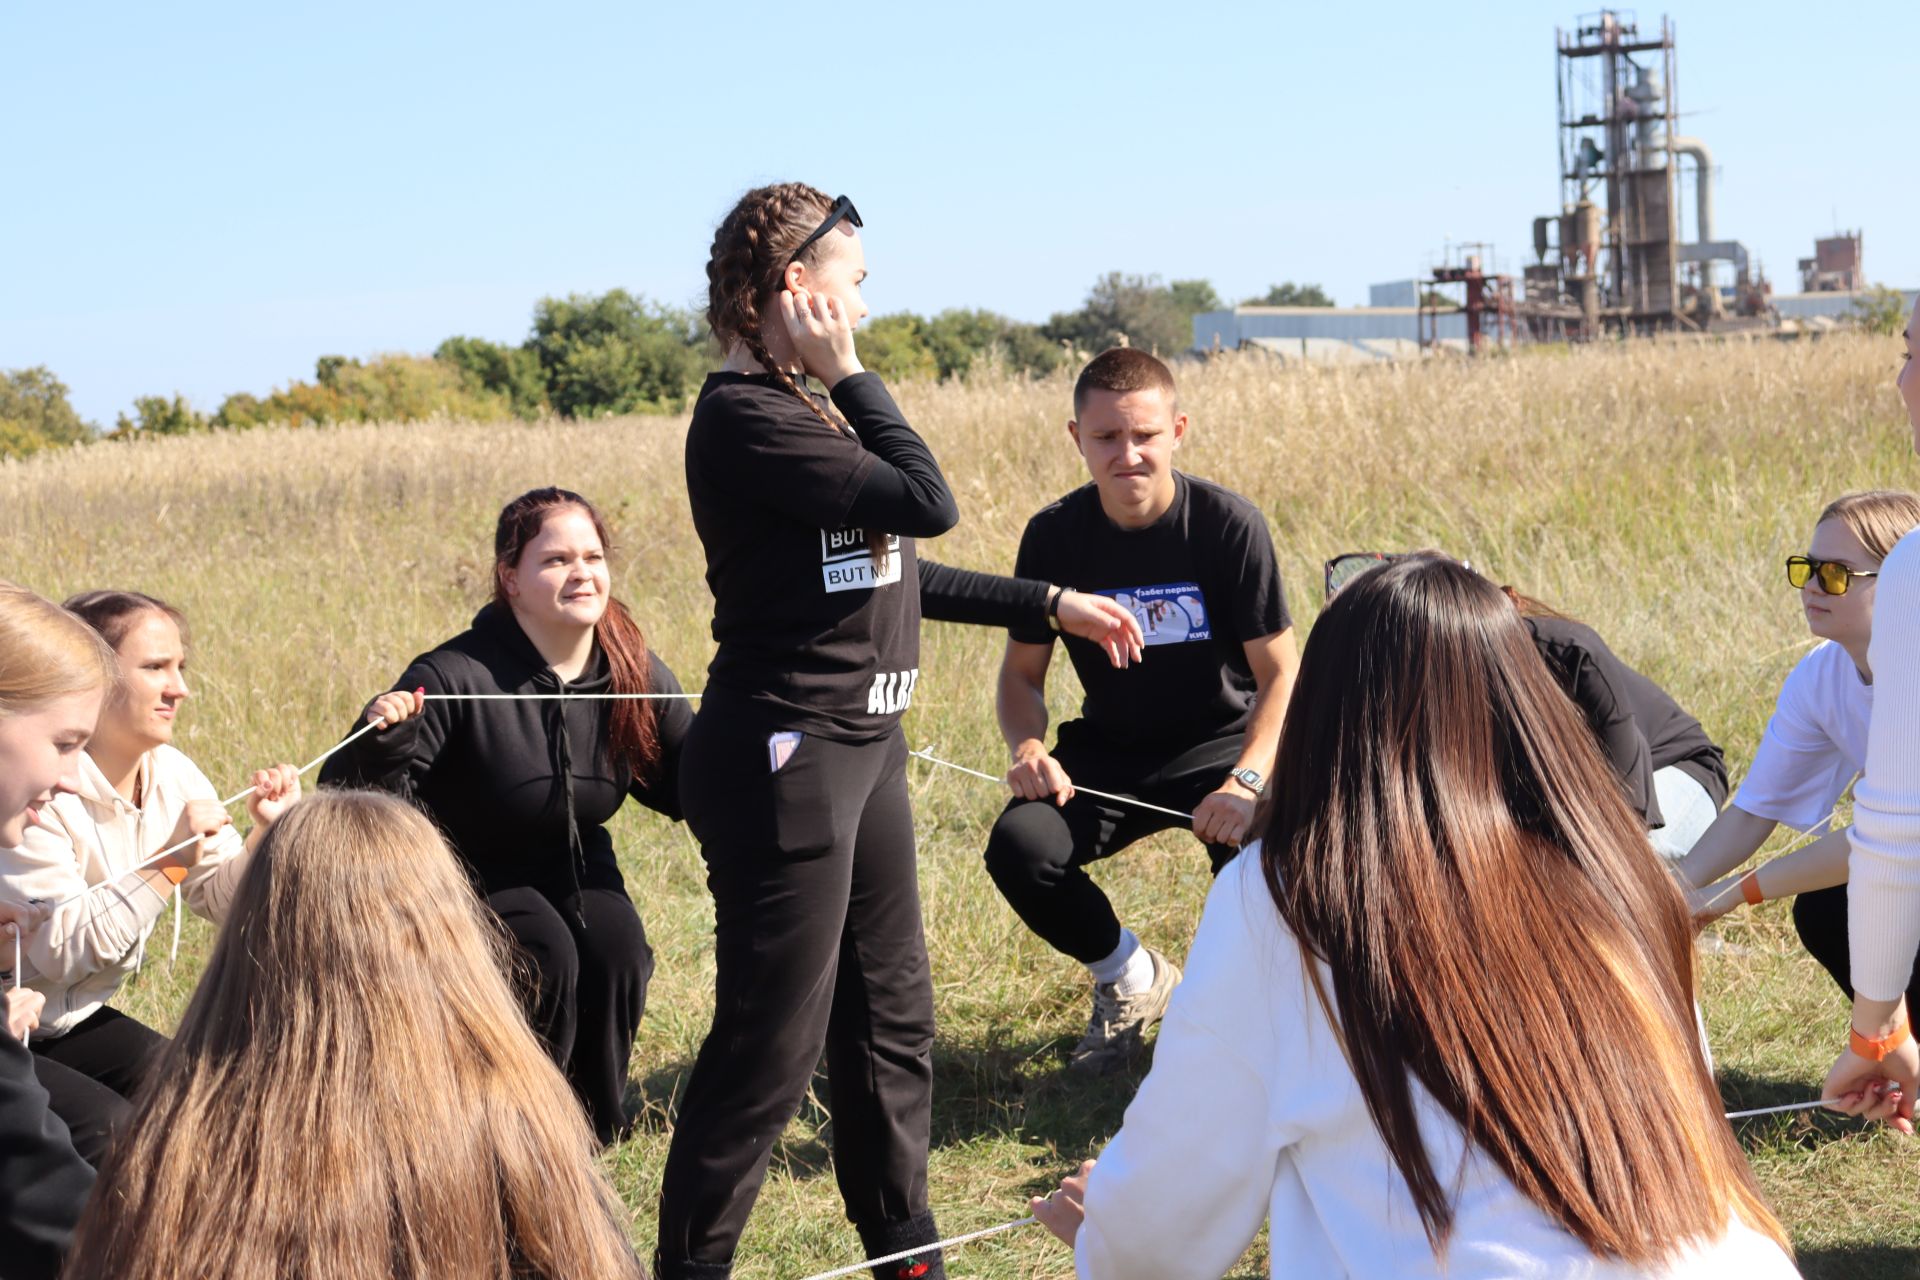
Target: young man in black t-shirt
1193	727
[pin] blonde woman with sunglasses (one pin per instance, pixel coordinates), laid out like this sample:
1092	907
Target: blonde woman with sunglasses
1816	740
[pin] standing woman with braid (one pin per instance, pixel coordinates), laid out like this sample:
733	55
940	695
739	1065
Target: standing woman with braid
794	773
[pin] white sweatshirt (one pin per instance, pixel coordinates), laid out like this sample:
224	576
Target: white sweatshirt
1251	1113
87	849
1883	871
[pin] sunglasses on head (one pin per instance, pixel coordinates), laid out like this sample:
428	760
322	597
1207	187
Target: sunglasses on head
1343	569
1834	576
842	208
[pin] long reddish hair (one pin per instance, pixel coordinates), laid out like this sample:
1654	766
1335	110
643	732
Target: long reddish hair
633	729
1446	836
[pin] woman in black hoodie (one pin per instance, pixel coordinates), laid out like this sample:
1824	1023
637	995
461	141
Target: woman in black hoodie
523	788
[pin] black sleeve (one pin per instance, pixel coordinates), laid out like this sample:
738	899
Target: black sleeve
1033	563
1591	675
660	791
904	493
1257	603
982	599
43	1181
398	757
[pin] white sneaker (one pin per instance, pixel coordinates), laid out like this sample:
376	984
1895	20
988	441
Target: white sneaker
1117	1029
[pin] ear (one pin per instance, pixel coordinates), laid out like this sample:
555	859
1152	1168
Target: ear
1179	429
794	278
1073	430
510	582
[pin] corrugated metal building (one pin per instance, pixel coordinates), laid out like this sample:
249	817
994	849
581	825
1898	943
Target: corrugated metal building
1803	306
1301	332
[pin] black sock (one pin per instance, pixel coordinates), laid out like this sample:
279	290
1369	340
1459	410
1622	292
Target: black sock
884	1238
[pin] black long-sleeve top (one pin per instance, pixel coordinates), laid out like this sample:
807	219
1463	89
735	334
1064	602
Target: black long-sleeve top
43	1181
522	789
816	632
1639	725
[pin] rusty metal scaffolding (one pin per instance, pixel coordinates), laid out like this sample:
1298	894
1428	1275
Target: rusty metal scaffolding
1618	234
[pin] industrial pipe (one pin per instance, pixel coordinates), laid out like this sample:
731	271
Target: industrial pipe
1703	180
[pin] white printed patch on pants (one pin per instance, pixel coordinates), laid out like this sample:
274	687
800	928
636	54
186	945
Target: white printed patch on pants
847	565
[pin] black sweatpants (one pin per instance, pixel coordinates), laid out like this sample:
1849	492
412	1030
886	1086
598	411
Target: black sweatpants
1038	851
1820	918
818	944
586	989
91	1073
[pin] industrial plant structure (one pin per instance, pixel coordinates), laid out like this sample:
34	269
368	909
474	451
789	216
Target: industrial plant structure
1614	261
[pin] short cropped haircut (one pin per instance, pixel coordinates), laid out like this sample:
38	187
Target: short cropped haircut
1122	369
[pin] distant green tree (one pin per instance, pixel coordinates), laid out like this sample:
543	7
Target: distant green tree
1438	300
513	372
1290	294
158	415
1878	310
1137	310
35	413
895	347
389	388
616	353
959	338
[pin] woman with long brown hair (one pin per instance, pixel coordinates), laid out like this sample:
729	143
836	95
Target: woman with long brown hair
807	507
524	780
353	1092
1439	1019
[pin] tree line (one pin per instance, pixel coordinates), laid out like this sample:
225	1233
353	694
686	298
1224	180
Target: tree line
589	355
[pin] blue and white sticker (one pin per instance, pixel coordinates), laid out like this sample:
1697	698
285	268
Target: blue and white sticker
1170	613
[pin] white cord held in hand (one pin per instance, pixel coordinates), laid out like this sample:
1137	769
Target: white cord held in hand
1774	1111
230	801
926	753
915	1252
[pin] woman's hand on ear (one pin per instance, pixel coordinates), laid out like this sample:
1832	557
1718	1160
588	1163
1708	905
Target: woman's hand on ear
820	330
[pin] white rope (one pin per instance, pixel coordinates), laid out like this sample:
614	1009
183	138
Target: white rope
904	1254
230	801
1774	1111
557	697
1794	845
26	1033
927	755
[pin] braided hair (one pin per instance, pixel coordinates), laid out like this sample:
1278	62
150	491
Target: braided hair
746	272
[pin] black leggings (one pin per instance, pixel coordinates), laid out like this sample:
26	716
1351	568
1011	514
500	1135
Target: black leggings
586	989
91	1073
1820	918
1038	851
819	945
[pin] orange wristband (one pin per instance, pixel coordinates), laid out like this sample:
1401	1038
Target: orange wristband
173	871
1877	1050
1750	888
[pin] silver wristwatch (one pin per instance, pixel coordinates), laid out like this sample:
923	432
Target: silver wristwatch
1250	779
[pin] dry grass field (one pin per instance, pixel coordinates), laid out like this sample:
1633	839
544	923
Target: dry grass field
1650	489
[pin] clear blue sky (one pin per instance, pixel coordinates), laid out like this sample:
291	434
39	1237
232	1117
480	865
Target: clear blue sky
206	197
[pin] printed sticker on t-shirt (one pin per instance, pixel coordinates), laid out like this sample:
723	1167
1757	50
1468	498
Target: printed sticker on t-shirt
892	692
1171	613
847	565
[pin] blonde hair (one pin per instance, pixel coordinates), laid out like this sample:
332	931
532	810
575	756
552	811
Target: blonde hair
354	1092
47	653
1877	517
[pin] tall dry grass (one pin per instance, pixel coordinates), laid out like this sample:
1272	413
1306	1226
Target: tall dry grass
1649	489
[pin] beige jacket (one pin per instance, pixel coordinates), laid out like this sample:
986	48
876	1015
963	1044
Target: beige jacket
87	849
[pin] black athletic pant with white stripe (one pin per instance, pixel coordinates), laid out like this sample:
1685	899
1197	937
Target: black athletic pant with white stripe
1038	851
819	947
